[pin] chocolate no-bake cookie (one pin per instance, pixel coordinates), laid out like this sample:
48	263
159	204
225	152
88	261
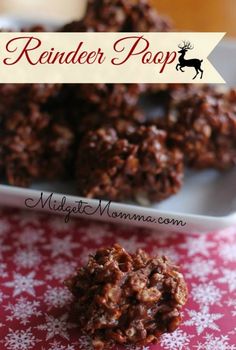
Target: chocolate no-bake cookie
123	298
34	145
136	166
15	97
203	125
122	123
107	101
37	120
119	16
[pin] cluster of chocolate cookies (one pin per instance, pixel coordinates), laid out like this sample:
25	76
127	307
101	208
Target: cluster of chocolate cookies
123	298
100	134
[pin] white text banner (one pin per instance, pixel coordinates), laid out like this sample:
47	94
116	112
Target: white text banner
108	58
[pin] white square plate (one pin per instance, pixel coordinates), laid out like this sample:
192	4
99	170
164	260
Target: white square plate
206	202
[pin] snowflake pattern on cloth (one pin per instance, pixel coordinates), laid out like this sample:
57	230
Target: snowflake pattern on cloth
23	283
203	319
200	268
215	343
27	258
22	310
37	252
56	326
20	340
207	294
57	297
177	340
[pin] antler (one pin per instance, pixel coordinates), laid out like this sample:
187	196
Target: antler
186	46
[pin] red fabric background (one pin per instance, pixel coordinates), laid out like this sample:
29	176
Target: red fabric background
37	252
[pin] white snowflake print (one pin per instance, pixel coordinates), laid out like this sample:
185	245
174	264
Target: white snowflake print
177	340
96	233
56	326
23	310
23	283
229	277
200	268
232	302
215	343
58	224
203	320
85	343
60	270
30	237
4	227
27	258
131	244
228	234
197	245
2	296
159	237
29	218
57	297
206	294
168	251
20	340
3	248
61	246
55	345
3	272
227	252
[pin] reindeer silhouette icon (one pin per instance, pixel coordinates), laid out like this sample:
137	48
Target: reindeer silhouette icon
195	63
